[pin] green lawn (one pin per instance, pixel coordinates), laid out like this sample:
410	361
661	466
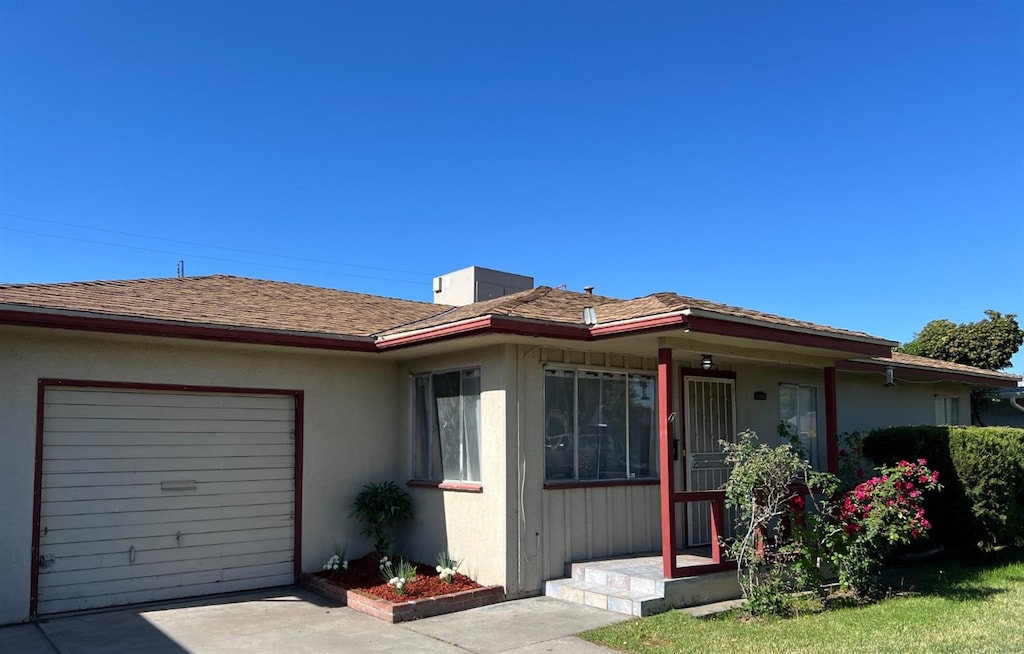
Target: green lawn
953	608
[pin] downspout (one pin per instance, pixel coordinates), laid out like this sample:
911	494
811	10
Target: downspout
1013	403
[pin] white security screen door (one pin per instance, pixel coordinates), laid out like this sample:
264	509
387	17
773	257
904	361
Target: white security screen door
710	409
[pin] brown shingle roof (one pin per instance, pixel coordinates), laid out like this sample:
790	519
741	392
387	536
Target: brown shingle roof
229	301
558	306
914	361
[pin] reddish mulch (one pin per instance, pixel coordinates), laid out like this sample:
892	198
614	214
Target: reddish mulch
363	574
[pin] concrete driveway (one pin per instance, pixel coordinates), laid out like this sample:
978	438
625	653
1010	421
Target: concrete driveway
292	620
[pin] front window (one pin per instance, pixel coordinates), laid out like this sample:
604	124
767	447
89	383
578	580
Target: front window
599	425
798	411
446	426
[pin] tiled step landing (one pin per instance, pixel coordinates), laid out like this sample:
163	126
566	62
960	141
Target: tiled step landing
636	586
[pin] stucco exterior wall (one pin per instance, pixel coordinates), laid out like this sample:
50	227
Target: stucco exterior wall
472	526
865	403
762	416
350	429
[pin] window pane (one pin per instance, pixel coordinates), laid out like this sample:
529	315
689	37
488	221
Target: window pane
426	453
590	424
643	439
954	411
611	453
788	407
471	424
559	433
448	403
808	425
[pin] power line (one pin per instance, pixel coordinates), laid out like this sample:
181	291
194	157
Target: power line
203	245
210	258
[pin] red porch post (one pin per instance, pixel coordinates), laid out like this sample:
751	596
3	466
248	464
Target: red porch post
665	461
831	420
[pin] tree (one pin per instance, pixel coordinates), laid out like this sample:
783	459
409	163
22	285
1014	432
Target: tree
989	343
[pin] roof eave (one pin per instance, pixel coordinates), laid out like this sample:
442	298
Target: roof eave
117	324
923	372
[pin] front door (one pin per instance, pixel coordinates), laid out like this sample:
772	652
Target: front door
710	411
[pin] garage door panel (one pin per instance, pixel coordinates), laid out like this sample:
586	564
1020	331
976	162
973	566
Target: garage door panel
155	495
110	452
75	578
155	490
186	524
160	594
73	541
89	480
177	502
183	426
90	596
142	583
86	528
144	412
164	550
128	397
168	465
168	438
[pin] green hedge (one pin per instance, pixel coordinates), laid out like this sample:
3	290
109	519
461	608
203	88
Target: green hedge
981	469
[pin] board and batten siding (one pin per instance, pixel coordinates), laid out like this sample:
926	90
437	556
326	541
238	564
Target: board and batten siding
153	495
582	524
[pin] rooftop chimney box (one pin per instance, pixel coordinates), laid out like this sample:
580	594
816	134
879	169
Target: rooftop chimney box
475	284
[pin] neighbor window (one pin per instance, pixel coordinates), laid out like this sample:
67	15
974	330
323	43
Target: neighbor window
446	426
947	410
599	425
798	413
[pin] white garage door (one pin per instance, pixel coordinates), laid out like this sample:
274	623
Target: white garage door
158	495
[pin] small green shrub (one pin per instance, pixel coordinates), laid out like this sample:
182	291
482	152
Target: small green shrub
378	506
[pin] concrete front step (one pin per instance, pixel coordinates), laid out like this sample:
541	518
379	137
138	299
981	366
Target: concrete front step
636	587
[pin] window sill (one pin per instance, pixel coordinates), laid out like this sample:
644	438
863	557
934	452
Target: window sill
461	486
598	483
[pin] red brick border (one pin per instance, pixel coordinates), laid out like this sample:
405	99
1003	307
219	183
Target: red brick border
404	611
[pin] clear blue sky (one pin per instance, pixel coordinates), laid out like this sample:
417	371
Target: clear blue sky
859	164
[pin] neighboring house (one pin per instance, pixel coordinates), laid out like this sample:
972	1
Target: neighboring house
166	438
1005	409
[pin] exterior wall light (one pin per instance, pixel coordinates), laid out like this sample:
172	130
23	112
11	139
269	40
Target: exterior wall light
706	362
888	376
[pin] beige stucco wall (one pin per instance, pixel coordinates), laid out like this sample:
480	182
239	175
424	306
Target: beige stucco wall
472	526
865	403
350	430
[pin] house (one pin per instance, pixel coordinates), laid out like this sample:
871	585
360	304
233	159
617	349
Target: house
166	438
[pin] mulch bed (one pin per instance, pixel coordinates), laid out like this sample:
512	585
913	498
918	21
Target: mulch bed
363	574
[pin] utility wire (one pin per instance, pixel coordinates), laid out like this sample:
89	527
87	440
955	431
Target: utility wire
203	245
204	256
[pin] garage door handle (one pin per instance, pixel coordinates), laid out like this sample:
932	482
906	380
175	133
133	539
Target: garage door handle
131	554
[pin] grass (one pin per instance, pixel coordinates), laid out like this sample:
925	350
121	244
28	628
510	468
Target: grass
944	607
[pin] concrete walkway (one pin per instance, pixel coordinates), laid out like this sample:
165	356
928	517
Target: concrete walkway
292	620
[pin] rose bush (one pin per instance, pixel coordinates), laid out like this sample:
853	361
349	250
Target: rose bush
875	516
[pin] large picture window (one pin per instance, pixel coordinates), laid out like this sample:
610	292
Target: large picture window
798	411
599	425
446	426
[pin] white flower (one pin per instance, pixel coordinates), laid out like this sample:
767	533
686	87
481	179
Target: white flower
440	569
344	565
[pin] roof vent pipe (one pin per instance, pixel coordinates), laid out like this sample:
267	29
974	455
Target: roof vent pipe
589	290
